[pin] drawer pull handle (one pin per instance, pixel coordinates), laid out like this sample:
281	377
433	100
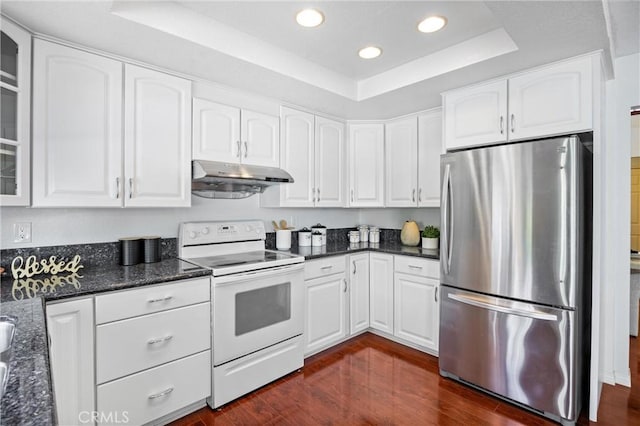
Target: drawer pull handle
415	267
163	299
159	340
324	268
163	393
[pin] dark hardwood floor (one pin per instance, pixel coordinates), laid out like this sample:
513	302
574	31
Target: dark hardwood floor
373	381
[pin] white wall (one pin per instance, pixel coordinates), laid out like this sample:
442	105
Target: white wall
75	226
621	94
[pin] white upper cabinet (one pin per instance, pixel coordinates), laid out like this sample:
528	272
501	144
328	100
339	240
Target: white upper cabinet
401	162
329	163
429	149
260	139
157	139
15	84
551	101
229	134
313	153
366	165
476	115
216	132
77	128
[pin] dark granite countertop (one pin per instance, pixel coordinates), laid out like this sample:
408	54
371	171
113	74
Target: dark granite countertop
28	399
340	248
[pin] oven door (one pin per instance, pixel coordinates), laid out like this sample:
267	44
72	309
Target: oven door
255	310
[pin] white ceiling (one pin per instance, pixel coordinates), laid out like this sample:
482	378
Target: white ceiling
257	47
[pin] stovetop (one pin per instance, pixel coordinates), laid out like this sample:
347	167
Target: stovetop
245	262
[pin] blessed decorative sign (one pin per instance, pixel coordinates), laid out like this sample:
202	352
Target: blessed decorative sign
30	287
21	268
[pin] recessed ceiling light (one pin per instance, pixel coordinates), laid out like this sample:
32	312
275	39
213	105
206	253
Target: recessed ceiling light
309	18
432	24
369	52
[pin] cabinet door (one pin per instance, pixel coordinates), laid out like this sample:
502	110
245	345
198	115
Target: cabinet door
416	310
551	101
326	312
359	292
77	128
15	98
429	149
260	139
329	163
70	327
157	139
381	292
297	158
366	165
216	132
401	165
476	116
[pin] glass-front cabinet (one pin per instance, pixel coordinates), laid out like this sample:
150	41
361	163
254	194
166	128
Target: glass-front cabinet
15	78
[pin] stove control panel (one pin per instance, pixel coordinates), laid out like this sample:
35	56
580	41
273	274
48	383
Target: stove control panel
198	233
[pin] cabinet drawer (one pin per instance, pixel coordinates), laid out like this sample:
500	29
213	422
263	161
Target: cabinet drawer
147	300
323	267
154	393
417	266
131	345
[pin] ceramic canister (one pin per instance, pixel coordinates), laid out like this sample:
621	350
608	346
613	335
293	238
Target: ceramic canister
323	230
374	234
354	237
364	233
304	237
316	239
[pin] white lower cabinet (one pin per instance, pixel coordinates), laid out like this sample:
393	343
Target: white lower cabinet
359	292
416	307
151	394
326	303
381	292
71	330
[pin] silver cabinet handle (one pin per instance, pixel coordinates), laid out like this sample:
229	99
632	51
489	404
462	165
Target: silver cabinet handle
130	187
324	268
239	149
415	267
345	284
352	195
162	299
117	187
318	191
512	123
478	302
445	217
313	194
420	195
354	267
501	125
160	340
436	295
246	149
163	393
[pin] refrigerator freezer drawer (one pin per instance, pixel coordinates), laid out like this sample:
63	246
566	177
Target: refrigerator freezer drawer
521	351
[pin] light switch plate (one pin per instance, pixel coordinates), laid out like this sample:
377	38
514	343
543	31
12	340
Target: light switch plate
22	232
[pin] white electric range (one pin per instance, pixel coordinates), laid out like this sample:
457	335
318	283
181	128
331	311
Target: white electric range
257	301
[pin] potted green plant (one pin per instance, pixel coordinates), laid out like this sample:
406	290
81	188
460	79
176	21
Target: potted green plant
430	236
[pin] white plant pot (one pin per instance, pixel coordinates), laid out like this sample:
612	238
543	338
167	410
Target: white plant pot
430	243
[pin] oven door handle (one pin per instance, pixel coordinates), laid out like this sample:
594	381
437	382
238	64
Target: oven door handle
262	273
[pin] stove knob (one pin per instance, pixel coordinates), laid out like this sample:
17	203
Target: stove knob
193	234
205	230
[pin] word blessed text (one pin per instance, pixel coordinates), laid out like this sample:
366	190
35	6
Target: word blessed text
21	268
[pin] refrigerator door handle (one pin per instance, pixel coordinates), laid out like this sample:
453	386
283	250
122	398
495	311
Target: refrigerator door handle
480	303
446	262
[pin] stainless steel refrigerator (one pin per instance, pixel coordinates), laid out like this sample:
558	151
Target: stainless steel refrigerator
515	271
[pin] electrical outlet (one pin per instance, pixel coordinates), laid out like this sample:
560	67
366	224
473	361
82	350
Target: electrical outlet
22	232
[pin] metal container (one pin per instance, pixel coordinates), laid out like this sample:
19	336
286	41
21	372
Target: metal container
130	251
323	230
374	234
316	239
364	233
151	249
304	237
354	237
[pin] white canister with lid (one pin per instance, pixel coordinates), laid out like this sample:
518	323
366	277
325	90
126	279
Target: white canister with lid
374	234
316	239
364	233
322	230
354	237
304	237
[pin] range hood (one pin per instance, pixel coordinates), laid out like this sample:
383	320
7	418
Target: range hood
214	179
